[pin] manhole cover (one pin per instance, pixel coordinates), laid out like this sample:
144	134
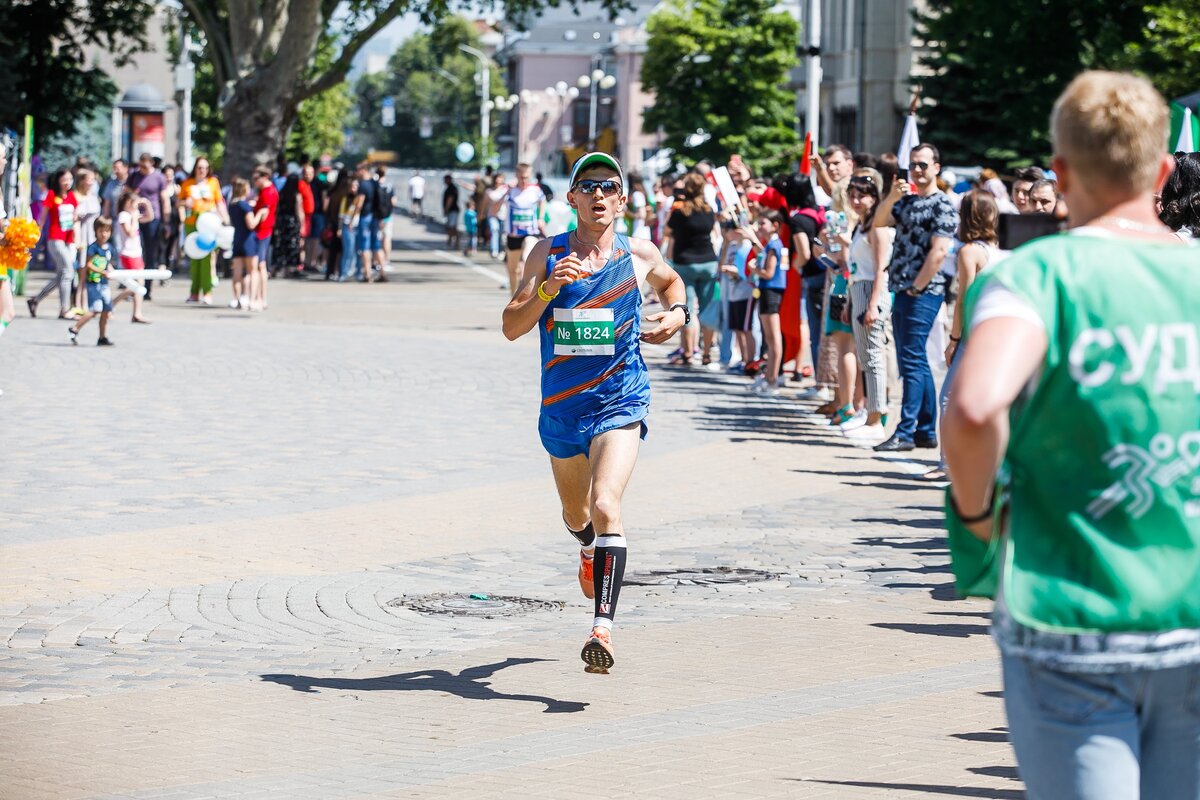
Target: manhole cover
699	576
484	606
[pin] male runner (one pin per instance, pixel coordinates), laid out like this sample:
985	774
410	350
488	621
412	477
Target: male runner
526	210
582	291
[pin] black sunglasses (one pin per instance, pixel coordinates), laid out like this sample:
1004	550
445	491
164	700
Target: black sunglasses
608	188
921	165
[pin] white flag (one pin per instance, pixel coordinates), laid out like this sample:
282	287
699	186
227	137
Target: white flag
908	140
1185	143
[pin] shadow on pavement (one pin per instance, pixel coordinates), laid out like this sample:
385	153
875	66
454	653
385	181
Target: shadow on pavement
927	788
994	735
467	684
957	630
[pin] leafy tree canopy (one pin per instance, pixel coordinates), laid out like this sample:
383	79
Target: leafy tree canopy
428	76
721	66
998	67
42	59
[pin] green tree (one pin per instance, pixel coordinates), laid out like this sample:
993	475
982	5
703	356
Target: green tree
1169	54
45	74
262	52
428	76
998	67
721	66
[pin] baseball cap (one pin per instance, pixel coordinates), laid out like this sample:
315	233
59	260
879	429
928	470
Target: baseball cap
597	159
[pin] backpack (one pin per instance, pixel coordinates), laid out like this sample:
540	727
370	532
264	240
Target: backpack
383	201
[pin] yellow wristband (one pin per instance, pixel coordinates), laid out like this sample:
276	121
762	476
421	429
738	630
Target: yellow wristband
542	292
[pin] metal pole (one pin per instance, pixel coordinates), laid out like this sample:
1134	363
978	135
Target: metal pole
594	98
812	91
485	97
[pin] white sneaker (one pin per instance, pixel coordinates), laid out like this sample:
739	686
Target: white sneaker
713	366
820	393
867	432
857	421
781	381
245	301
233	304
759	385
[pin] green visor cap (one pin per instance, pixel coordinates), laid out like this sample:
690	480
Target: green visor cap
597	160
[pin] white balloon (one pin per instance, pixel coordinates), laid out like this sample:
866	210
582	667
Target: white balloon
192	247
225	237
208	224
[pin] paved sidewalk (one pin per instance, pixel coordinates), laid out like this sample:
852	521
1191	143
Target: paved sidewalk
236	551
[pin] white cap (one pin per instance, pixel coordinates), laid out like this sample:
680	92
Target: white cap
597	159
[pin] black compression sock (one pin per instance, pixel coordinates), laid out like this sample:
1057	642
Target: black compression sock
607	576
585	537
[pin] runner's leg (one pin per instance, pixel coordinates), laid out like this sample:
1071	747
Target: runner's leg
573	477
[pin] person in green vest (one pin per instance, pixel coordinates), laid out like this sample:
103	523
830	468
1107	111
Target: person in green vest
1073	444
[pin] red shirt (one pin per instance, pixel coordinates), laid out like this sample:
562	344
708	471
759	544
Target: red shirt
306	202
61	215
268	198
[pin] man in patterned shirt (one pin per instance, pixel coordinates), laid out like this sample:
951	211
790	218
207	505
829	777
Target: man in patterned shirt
925	223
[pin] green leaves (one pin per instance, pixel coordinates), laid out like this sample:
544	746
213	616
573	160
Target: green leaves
721	66
428	76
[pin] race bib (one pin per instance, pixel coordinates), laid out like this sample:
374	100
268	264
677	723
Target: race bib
66	217
584	332
522	219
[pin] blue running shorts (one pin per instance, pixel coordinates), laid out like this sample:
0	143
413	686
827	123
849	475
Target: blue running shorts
567	437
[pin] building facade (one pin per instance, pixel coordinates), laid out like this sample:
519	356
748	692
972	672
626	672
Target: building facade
869	58
562	109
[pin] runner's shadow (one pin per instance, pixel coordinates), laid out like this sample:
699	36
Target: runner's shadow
468	684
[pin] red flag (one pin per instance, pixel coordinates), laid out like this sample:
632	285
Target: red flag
805	166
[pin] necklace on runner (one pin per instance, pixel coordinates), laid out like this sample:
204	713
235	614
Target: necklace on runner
1129	225
601	256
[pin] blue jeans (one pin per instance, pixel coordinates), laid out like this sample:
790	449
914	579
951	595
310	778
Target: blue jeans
350	262
494	236
912	320
814	304
1105	736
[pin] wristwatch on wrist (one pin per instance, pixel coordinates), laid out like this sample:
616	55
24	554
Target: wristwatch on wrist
687	312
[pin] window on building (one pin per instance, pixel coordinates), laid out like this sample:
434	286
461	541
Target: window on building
845	126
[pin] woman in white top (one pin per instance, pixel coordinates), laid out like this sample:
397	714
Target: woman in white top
870	302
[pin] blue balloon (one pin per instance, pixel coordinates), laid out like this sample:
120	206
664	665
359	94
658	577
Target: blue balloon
206	243
465	151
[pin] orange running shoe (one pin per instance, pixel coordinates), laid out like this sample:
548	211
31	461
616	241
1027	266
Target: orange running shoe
597	653
585	576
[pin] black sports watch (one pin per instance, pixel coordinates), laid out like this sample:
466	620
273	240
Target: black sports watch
687	312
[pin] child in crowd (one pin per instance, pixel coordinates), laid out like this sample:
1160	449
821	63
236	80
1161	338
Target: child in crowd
245	245
101	255
470	226
771	272
133	211
737	288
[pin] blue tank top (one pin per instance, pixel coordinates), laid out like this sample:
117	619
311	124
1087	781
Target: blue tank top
779	279
576	385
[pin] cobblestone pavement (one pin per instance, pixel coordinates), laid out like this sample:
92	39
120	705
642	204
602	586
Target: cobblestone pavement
238	553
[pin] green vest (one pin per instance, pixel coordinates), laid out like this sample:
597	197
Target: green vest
1103	460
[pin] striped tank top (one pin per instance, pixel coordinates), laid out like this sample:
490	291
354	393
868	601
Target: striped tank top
577	385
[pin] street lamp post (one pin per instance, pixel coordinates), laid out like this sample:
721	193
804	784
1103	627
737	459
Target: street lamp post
485	87
595	82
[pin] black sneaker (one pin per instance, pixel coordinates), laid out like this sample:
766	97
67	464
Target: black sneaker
894	445
32	307
930	443
104	341
73	333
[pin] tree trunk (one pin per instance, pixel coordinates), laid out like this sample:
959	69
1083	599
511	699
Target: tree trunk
257	121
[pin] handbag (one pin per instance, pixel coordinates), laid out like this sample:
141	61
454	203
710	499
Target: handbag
974	562
837	306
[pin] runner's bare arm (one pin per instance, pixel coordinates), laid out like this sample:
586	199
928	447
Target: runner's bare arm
1003	355
650	267
526	308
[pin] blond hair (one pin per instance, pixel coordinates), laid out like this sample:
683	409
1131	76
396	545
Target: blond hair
1111	128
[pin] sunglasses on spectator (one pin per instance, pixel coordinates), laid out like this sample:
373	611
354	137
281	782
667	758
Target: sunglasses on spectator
921	165
608	188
